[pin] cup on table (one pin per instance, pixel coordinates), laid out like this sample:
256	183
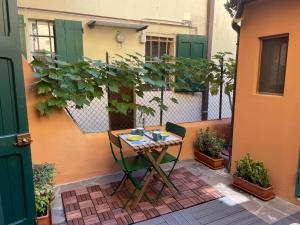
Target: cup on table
163	137
156	135
133	131
140	131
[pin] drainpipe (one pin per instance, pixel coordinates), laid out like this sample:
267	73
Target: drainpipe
235	25
209	33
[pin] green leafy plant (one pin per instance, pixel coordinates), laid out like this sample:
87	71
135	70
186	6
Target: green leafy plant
43	175
252	171
58	82
223	73
231	6
209	143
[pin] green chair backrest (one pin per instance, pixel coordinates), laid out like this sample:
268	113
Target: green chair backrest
176	129
114	140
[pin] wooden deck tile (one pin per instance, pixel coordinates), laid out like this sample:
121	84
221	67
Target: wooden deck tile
94	205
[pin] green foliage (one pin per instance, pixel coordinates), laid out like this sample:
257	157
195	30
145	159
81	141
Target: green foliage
252	171
43	175
59	82
231	6
224	66
209	143
189	71
223	59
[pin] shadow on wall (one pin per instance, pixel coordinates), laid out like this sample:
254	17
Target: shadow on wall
77	156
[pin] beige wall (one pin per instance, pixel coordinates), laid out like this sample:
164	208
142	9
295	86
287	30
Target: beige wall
95	41
266	126
165	18
224	37
130	9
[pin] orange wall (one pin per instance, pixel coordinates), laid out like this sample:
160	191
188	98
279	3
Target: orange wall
268	127
56	139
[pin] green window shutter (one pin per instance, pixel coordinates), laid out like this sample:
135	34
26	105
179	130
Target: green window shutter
195	47
68	40
22	35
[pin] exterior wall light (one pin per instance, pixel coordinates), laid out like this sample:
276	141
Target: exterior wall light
120	37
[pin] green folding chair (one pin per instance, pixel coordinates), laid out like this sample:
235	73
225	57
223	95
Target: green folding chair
128	165
168	158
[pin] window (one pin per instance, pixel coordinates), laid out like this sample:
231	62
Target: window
273	65
41	36
158	46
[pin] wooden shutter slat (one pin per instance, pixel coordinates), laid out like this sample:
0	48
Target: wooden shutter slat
191	46
68	40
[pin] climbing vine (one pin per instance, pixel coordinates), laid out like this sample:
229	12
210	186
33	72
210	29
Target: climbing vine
57	82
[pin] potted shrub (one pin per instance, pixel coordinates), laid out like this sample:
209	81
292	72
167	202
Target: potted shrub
43	175
252	177
208	148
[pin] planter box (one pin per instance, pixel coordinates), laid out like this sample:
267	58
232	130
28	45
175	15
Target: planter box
45	220
212	163
265	194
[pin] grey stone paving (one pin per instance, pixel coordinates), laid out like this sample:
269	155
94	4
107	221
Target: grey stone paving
236	207
218	212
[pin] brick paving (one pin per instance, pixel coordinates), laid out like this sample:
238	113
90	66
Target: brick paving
94	205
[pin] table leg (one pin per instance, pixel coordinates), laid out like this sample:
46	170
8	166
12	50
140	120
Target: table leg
143	190
147	182
156	165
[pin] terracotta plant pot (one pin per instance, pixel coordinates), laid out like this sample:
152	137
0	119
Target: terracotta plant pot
45	220
212	163
265	194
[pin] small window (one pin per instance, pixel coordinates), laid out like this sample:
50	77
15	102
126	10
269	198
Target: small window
157	47
41	36
273	65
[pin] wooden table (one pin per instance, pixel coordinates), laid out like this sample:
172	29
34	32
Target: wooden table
145	146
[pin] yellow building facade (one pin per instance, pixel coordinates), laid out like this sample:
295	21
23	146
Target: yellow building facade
164	19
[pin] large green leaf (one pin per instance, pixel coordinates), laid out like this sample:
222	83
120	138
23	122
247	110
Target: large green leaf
59	82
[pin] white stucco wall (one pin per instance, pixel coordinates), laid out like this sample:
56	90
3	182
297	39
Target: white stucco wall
94	118
224	40
188	108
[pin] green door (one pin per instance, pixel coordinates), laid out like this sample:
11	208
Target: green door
191	46
16	185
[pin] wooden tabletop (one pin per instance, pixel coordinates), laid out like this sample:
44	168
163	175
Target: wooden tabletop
147	143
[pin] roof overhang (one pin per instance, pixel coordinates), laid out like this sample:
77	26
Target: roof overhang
138	26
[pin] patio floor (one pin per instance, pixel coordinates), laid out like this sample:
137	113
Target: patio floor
236	207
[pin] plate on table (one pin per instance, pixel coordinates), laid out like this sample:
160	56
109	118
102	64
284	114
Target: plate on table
131	137
165	133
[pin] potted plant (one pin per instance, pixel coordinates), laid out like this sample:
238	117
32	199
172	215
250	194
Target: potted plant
252	177
43	175
208	149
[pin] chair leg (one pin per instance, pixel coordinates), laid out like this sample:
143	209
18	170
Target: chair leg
129	198
146	196
137	185
120	185
168	177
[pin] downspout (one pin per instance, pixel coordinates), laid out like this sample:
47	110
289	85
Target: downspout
209	33
235	25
